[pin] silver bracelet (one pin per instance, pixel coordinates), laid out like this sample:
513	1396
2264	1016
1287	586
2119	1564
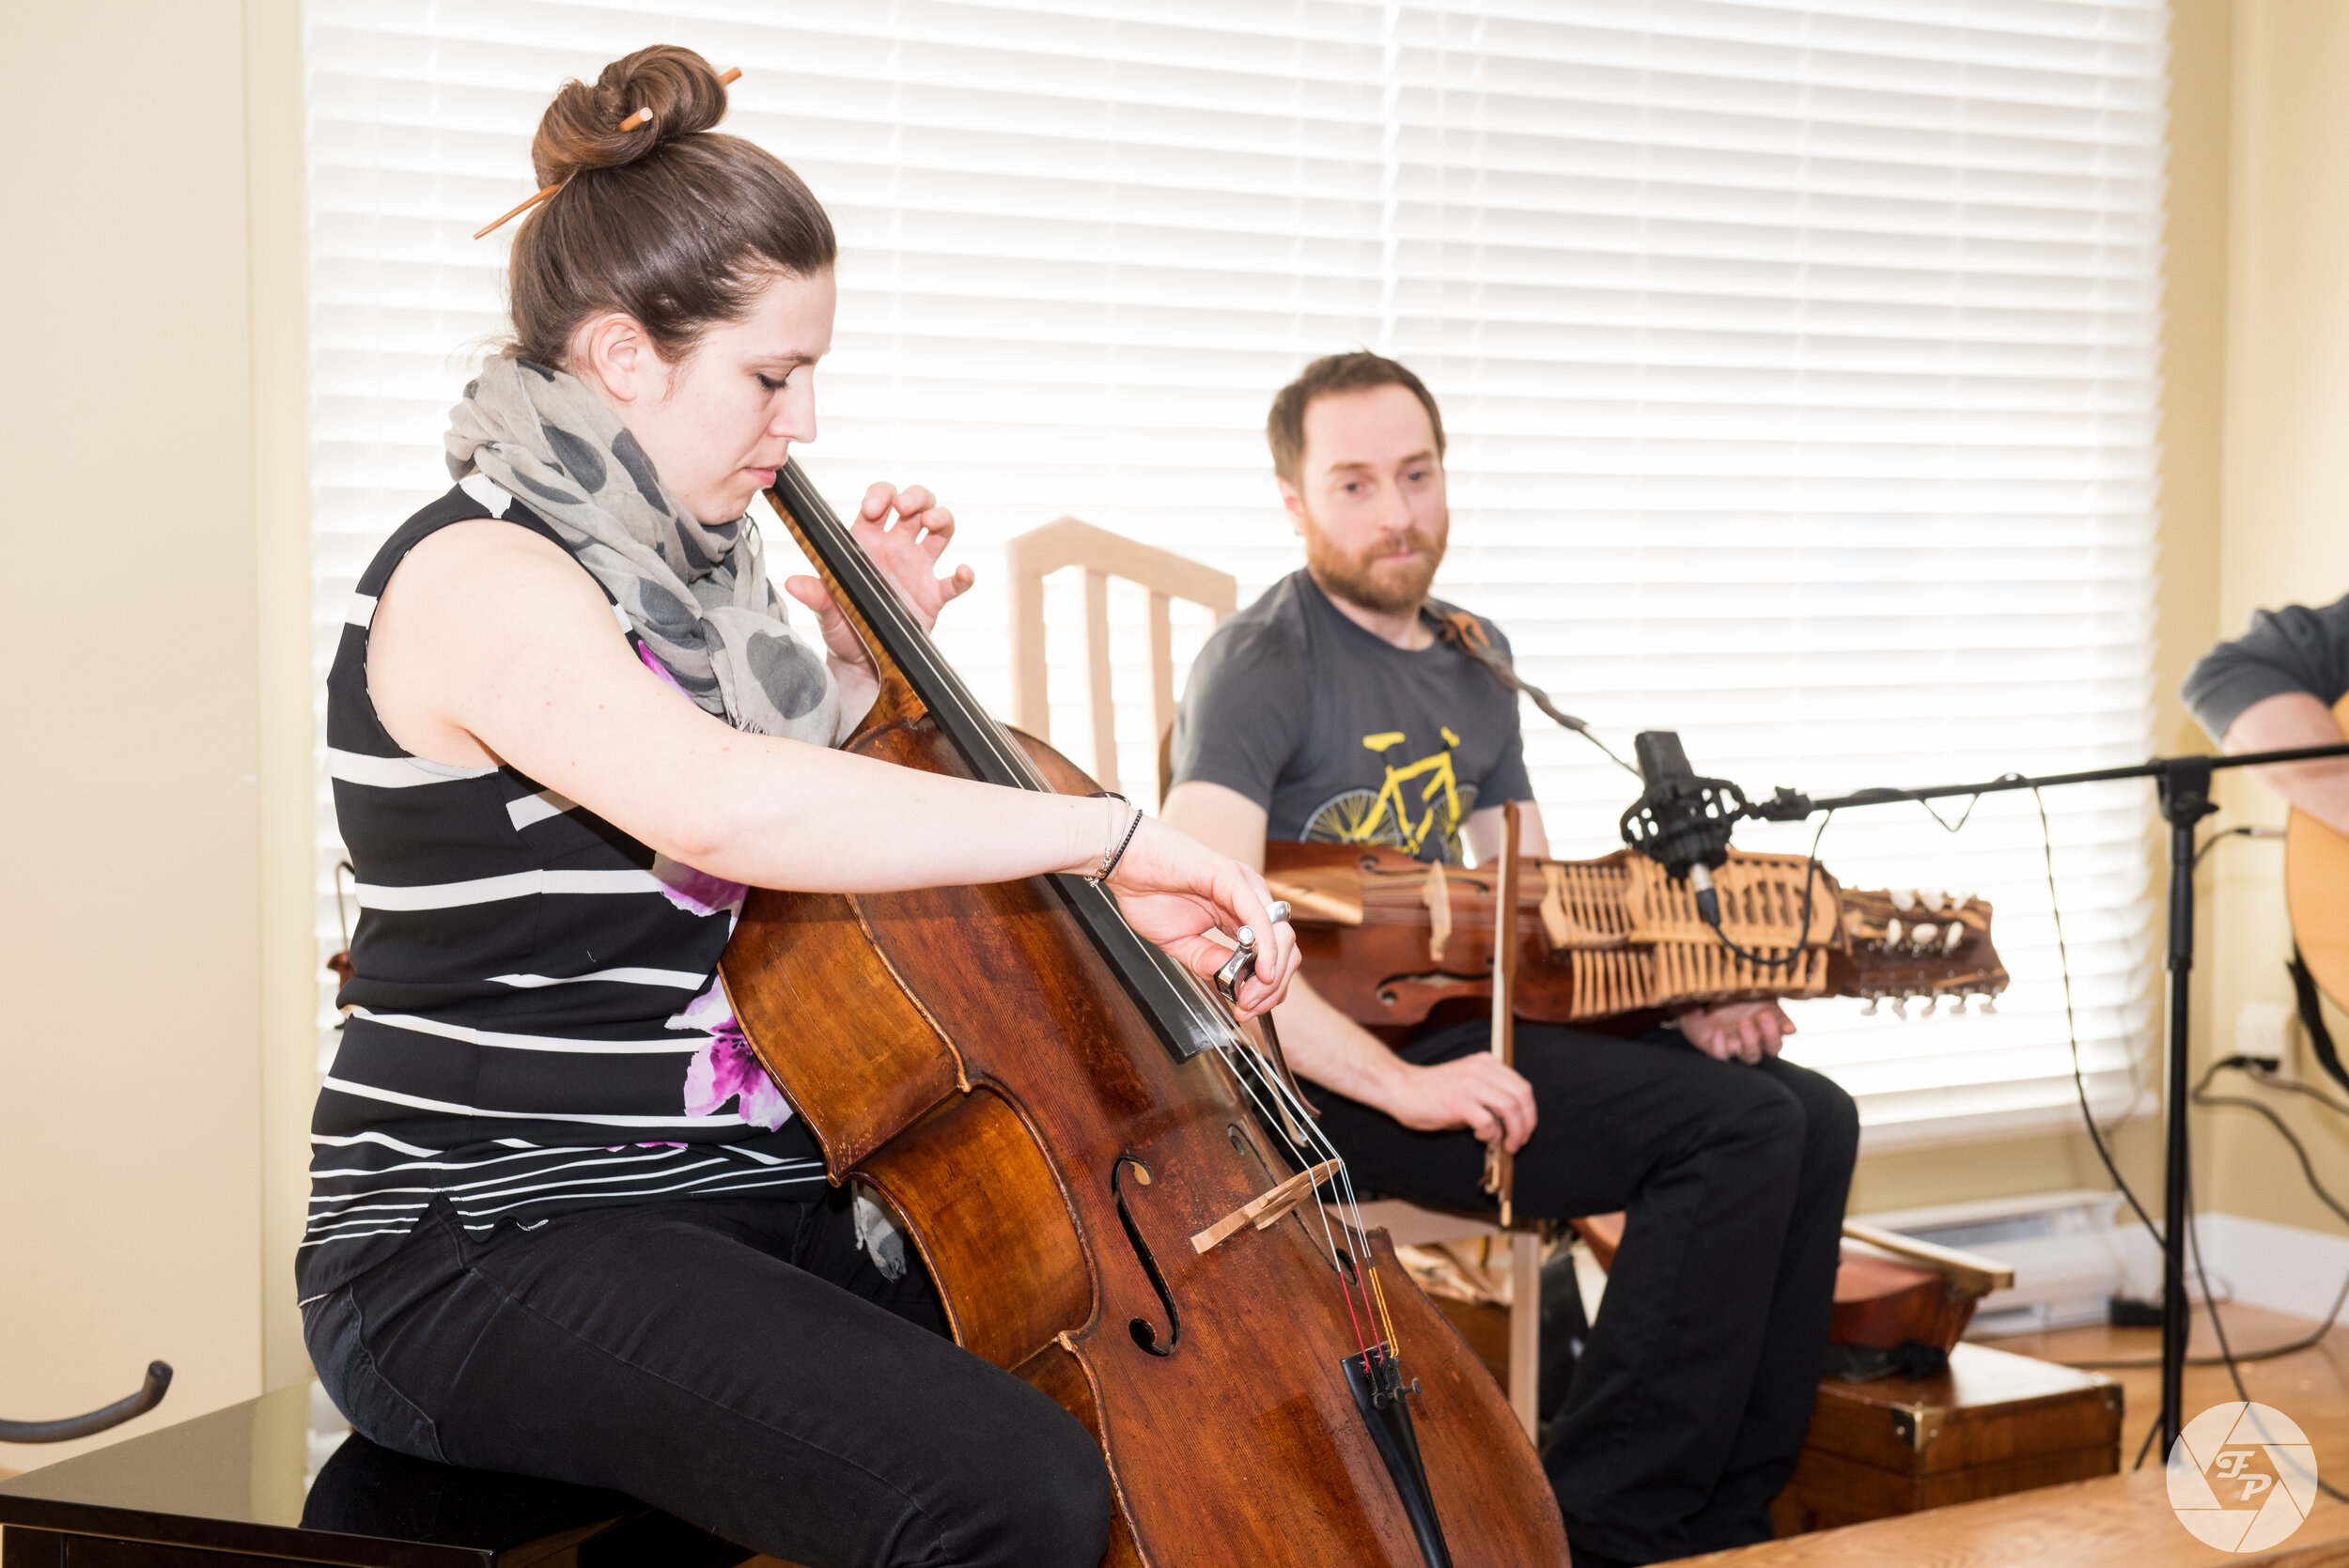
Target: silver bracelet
1113	847
1133	826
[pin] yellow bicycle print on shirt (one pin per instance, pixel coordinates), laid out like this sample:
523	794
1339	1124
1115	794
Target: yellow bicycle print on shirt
1414	803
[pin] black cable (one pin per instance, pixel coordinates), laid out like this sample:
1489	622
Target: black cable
1963	817
1810	874
2307	1168
2200	1096
2340	1297
2266	1080
2072	1028
2248	830
1787	962
2218	1327
2227	1356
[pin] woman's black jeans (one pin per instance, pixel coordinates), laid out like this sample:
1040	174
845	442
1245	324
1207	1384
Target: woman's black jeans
737	1362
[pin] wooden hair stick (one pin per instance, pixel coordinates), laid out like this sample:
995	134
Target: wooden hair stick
641	117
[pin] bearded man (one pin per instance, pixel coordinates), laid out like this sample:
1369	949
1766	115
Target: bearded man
1330	709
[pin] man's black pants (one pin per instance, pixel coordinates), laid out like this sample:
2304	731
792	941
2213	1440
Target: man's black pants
737	1361
1693	1396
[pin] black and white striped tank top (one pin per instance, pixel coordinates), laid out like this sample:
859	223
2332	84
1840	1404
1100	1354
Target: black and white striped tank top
537	1021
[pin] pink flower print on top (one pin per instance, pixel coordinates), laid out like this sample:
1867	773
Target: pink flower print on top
697	893
726	1068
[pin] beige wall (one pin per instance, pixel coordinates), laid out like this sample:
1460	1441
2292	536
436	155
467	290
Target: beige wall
146	745
2285	532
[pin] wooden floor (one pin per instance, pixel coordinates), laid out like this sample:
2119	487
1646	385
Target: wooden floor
2121	1520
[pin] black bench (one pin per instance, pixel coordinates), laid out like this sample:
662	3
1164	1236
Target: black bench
254	1486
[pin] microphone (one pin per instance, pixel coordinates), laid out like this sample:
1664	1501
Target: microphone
1680	821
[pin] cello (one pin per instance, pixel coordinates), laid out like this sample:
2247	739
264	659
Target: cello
1116	1189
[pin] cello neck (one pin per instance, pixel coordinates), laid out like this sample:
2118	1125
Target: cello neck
902	650
926	685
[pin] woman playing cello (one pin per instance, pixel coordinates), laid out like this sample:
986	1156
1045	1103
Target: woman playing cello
563	1223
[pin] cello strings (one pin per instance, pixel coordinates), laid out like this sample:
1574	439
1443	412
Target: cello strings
1257	1075
1249	1072
1349	1202
1284	1094
1256	1071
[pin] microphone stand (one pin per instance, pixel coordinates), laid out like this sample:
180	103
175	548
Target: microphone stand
2184	788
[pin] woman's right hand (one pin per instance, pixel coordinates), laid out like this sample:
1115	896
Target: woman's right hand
1192	902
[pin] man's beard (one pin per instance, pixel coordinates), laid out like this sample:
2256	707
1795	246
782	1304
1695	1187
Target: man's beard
1389	587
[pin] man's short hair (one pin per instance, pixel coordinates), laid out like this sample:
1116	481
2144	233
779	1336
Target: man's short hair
1328	376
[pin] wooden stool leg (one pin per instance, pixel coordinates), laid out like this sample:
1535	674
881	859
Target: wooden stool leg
1525	1328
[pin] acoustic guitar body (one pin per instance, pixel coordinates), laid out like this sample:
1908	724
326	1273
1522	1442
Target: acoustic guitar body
2316	874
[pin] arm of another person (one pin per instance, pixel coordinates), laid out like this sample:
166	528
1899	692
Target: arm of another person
1474	1092
490	645
2272	690
2284	723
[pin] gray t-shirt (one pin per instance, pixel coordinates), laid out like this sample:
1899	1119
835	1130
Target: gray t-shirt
2292	649
1344	737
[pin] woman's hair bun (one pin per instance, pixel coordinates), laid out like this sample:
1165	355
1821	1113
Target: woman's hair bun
581	130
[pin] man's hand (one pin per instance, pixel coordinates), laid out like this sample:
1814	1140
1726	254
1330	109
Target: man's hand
1475	1092
1748	1031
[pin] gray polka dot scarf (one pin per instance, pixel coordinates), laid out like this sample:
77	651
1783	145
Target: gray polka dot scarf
696	592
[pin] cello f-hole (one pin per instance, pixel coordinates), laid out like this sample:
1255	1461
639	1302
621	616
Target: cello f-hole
1146	1333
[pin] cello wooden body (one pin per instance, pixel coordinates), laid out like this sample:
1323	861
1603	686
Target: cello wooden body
977	1055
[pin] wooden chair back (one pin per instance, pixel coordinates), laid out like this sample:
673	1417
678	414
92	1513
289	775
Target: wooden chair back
1036	555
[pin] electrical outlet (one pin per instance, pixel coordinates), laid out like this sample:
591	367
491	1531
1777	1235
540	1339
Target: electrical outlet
2270	1029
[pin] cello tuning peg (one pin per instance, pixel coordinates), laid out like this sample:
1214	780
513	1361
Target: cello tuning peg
1989	1003
1904	899
1932	1003
1891	933
1900	1009
1955	938
1870	1011
1923	935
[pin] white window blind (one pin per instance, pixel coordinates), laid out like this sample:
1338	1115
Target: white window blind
1800	364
